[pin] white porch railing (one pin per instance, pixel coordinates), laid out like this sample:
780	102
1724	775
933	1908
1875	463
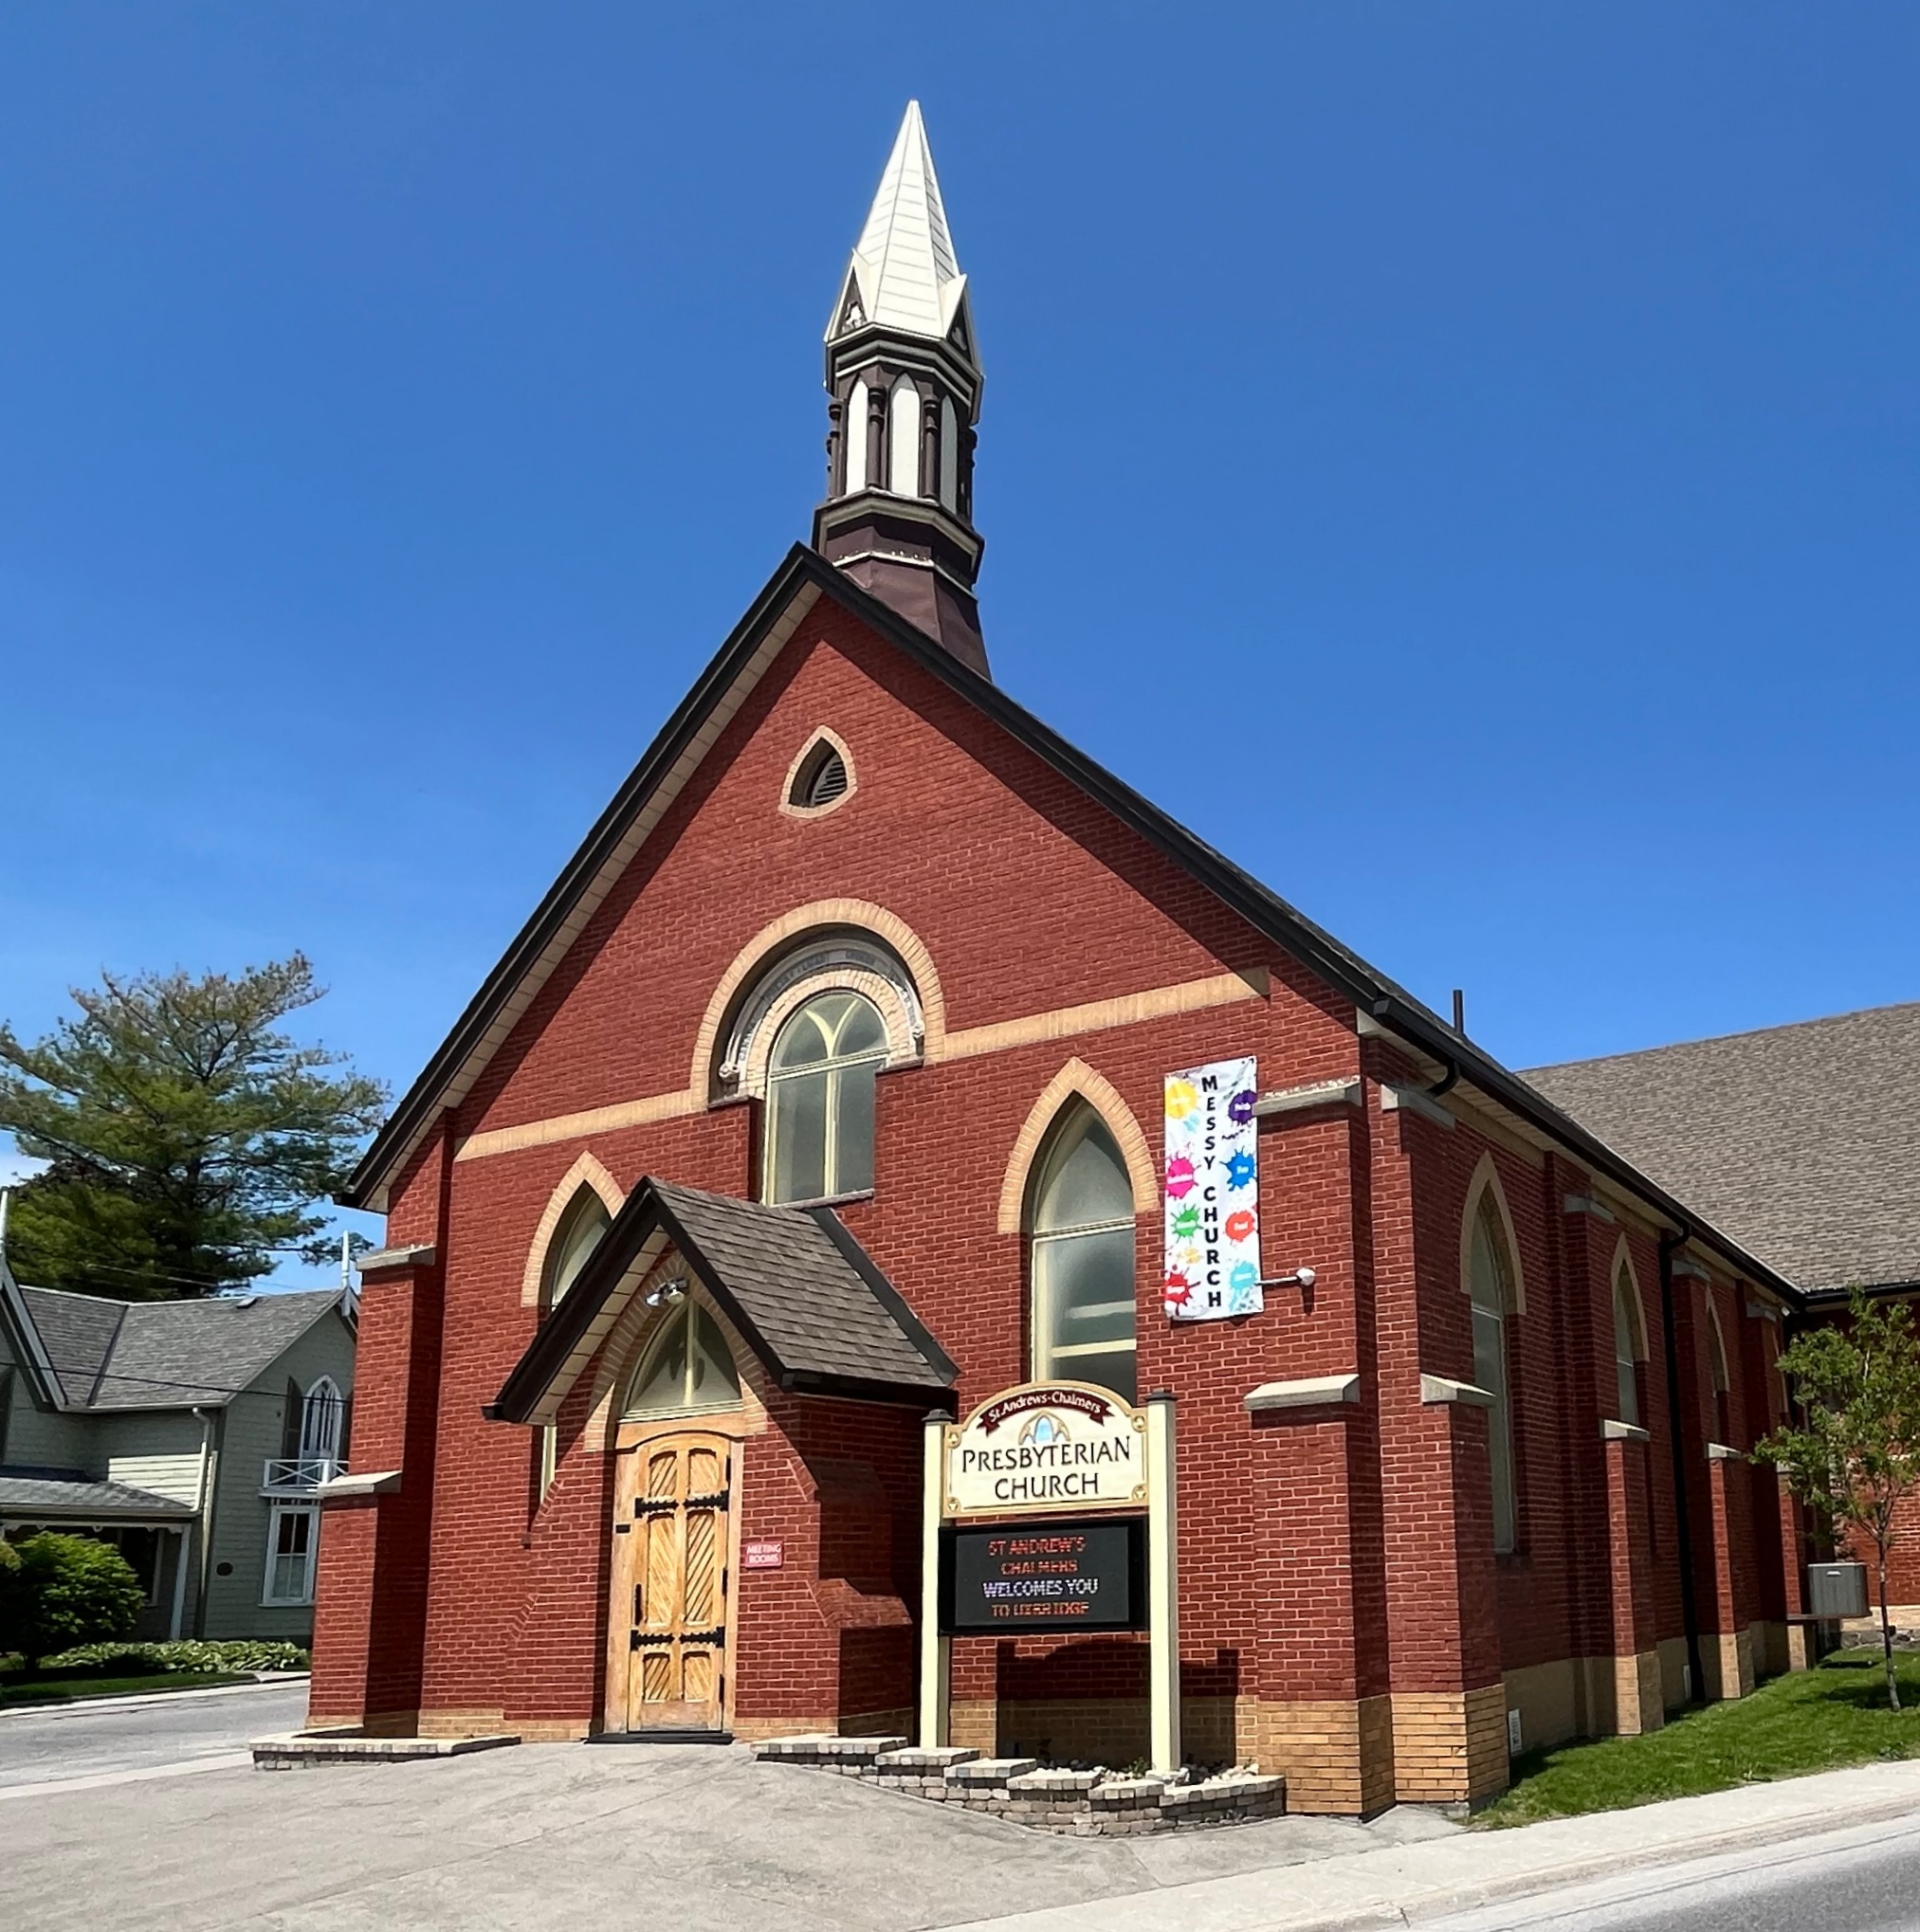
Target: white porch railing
299	1475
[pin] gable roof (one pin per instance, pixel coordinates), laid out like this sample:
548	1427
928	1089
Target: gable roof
802	579
1801	1140
106	1354
802	1292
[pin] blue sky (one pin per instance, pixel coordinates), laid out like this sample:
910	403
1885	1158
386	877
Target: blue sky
1515	409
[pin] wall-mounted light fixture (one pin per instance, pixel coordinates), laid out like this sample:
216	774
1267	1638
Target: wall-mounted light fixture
668	1292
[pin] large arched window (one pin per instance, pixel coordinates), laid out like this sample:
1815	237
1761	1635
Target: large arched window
1630	1345
820	1099
1080	1223
1489	1282
320	1416
581	1228
687	1368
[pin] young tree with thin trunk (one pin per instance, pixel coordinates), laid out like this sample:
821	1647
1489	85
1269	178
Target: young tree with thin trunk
1855	1455
189	1139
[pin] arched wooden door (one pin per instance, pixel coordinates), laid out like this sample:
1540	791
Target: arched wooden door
670	1582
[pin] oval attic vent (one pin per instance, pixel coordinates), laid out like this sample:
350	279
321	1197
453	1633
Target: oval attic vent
821	779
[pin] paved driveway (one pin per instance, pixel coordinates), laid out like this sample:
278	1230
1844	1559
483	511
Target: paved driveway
699	1838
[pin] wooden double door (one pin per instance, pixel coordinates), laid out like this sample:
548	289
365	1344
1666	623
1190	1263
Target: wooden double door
672	1553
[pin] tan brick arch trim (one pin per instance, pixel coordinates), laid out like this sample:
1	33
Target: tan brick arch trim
1077	1079
1486	1180
1636	1303
751	958
587	1171
820	735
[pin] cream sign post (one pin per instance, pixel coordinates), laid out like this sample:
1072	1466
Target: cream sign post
1046	1447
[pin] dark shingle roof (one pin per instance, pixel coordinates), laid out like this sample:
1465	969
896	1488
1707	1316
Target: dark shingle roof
796	1284
1800	1141
68	1501
167	1355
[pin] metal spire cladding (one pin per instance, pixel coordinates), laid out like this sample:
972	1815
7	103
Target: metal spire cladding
904	383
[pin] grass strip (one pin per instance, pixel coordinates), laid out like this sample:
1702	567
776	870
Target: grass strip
1820	1720
44	1690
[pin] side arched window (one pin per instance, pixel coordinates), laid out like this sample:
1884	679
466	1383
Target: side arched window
580	1231
820	1099
903	439
1489	1276
1716	1365
320	1416
688	1367
1080	1227
1630	1348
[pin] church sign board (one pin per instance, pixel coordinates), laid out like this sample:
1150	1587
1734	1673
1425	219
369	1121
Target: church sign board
1025	1578
1044	1446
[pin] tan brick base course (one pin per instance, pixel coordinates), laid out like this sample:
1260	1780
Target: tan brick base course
1637	1704
1450	1746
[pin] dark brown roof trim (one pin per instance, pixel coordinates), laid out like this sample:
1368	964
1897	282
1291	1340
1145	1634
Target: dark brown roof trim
1261	907
646	1212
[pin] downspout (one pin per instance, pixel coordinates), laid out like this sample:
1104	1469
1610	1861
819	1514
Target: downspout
210	1478
1690	1613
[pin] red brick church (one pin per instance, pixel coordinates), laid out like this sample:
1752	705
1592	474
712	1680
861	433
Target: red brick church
772	1133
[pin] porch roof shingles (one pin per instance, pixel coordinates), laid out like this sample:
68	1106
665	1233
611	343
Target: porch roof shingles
809	1302
55	1496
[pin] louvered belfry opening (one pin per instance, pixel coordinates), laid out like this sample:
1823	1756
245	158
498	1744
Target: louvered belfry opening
821	780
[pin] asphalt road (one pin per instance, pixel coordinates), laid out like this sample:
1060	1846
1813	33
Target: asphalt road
182	1727
1866	1879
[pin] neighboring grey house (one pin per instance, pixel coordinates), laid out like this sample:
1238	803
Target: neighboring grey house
191	1434
1803	1143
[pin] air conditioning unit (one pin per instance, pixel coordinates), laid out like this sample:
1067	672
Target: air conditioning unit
1836	1590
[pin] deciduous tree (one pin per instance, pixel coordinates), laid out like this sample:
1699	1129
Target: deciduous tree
1854	1453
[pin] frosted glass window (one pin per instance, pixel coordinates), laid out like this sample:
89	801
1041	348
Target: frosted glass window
820	1099
949	454
1488	1273
1080	1224
853	432
902	440
689	1366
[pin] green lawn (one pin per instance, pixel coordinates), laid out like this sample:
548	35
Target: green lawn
17	1691
1818	1720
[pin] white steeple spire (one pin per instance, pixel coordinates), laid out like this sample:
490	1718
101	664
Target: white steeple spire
904	275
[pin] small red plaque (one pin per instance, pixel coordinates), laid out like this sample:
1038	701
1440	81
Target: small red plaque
763	1553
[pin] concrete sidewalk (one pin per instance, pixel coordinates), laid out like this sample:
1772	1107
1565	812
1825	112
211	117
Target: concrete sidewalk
1404	1884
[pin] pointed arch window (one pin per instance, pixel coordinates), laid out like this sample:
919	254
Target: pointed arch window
1489	1282
321	1416
949	454
581	1229
1080	1228
1716	1369
820	1099
1630	1346
688	1369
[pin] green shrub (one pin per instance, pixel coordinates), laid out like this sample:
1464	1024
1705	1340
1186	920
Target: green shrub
65	1590
129	1659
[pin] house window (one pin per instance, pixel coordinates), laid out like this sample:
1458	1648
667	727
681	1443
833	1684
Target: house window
292	1546
1629	1347
689	1367
319	1422
1490	1275
1080	1227
820	1099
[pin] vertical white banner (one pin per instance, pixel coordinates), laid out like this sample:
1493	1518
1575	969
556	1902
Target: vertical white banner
1212	1193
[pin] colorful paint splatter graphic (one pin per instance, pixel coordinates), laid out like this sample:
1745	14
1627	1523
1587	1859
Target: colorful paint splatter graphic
1213	1187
